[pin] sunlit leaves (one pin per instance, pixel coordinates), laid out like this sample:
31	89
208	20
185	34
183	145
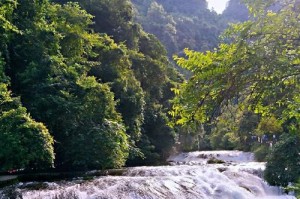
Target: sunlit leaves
48	66
87	89
24	142
6	10
259	67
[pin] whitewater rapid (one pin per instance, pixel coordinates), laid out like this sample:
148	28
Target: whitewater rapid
188	177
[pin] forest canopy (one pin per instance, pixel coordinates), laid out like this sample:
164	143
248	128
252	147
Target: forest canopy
79	90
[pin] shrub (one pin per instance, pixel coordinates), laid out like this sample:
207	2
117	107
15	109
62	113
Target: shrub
283	164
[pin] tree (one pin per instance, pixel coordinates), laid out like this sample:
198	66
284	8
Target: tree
259	68
95	137
192	7
156	76
283	164
161	24
24	143
181	24
224	133
236	11
114	67
113	17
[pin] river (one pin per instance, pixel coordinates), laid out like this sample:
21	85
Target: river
236	176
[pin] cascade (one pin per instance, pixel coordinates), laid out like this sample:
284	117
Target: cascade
194	175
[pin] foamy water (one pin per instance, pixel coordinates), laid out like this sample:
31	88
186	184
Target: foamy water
190	177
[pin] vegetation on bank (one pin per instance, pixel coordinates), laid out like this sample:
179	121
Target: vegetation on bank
80	91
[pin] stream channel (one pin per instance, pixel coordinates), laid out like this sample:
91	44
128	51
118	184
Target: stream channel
233	175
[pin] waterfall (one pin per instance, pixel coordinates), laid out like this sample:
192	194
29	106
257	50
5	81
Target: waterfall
235	175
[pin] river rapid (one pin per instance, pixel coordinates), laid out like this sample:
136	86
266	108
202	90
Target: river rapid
235	176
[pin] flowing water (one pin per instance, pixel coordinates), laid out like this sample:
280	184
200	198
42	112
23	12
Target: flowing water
188	177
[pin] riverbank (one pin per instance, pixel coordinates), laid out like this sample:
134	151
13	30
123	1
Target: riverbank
7	180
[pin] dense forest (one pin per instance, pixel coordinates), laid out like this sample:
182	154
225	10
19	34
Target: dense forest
82	87
93	85
181	24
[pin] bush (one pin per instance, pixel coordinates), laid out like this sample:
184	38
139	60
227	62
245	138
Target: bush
24	143
261	152
283	164
104	146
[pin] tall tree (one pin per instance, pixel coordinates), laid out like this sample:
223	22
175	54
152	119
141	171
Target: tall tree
259	67
24	142
114	67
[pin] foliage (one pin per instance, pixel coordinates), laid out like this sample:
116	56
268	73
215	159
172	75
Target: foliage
114	68
156	125
295	188
224	132
98	129
6	10
259	68
154	77
102	147
215	161
180	24
160	23
256	68
234	129
236	11
24	142
283	163
92	80
261	152
140	73
113	17
48	64
192	7
269	125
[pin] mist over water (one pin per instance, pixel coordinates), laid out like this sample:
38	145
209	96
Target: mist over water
189	177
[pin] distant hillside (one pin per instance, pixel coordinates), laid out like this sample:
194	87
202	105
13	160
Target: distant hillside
236	11
189	24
